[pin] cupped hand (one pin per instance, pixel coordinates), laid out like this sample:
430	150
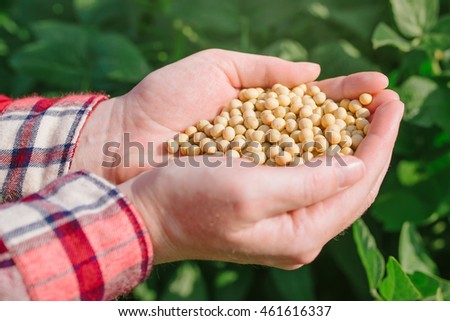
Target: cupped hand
279	217
174	97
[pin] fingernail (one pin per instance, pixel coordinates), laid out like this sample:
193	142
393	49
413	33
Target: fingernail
350	172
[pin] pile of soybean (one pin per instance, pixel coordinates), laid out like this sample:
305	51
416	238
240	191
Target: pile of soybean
279	127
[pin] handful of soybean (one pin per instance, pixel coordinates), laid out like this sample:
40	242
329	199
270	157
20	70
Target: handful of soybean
279	127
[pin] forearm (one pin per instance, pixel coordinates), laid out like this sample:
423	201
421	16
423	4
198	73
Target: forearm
78	238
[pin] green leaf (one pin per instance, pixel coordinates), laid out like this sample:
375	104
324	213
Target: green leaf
439	37
412	253
294	285
438	103
231	282
386	36
393	208
415	17
371	257
77	58
105	13
397	286
146	291
287	49
186	283
413	93
411	172
431	287
346	59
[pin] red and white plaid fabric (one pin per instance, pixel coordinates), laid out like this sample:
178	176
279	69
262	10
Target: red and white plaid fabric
62	236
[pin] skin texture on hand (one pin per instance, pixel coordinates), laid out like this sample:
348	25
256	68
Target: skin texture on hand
176	96
273	216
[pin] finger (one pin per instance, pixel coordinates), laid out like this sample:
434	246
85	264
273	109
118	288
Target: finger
352	86
382	97
278	190
248	70
375	151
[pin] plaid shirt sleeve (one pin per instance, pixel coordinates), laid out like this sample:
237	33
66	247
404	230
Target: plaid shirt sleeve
62	236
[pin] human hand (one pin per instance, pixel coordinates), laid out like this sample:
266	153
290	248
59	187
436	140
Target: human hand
280	217
174	97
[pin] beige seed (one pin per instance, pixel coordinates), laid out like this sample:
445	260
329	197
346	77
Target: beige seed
354	105
362	113
240	130
217	130
347	151
248	113
279	112
307	156
248	134
209	148
235	103
306	111
327	120
295	108
260	105
346	141
197	137
181	138
344	103
356	140
273	135
278	124
291	125
172	146
298	91
193	150
284	100
365	99
283	158
315	119
207	129
251	93
258	136
293	149
274	150
333	137
264	128
306	134
340	123
366	129
349	120
204	141
312	90
235	112
201	124
254	147
358	132
308	146
228	133
190	131
272	103
330	108
220	120
333	150
225	115
317	131
295	135
232	153
320	143
318	111
361	123
290	115
319	98
184	146
236	120
247	106
223	145
251	122
340	113
237	144
305	123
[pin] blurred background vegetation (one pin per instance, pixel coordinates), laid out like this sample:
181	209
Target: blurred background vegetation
53	47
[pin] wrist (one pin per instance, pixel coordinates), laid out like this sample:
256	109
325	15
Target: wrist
138	192
96	132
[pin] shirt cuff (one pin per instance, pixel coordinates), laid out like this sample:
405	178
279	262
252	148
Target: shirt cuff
76	239
39	137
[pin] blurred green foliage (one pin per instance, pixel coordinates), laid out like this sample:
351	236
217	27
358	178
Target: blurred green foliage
52	47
